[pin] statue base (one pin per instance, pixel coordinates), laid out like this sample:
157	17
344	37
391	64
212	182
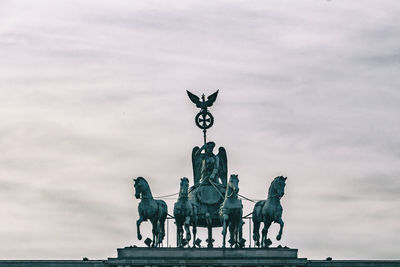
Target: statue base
257	257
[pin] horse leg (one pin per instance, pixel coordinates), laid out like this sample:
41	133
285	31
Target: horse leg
264	232
225	218
194	223
161	232
138	222
241	240
155	233
236	233
240	230
179	235
281	223
232	234
194	232
265	242
159	236
187	229
256	232
209	226
162	216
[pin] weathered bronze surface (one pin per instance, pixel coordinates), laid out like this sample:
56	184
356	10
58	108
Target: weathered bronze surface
211	201
185	213
209	173
269	211
231	213
203	119
150	209
208	166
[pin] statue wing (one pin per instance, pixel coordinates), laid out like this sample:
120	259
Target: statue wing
211	99
196	162
223	165
194	98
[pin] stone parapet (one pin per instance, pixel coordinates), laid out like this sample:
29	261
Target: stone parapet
353	263
52	263
132	256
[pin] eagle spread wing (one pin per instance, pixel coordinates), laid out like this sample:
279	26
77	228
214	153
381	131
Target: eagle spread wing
223	165
211	99
203	105
195	99
196	164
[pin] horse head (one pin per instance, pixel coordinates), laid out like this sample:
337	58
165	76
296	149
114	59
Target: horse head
277	188
233	185
184	187
140	186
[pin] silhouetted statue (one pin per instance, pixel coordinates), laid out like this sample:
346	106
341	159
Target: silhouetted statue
204	104
208	166
268	211
150	209
208	170
185	213
231	212
204	119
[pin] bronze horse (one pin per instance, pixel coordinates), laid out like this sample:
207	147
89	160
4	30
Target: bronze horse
231	212
185	213
268	211
150	209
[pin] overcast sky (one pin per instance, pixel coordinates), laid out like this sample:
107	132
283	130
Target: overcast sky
92	94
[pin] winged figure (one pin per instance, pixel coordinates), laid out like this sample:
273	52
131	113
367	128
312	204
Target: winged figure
208	166
203	104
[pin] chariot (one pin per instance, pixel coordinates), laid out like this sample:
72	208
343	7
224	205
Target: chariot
208	191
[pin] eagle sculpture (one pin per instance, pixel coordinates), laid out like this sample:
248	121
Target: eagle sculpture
203	104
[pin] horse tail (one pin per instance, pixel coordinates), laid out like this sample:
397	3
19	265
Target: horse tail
162	210
257	219
257	211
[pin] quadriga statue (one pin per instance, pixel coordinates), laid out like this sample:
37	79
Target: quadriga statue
269	211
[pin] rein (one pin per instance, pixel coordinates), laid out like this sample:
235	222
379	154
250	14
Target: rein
183	194
216	188
142	197
233	190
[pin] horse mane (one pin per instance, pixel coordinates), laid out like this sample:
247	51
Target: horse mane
270	188
140	178
272	183
228	187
